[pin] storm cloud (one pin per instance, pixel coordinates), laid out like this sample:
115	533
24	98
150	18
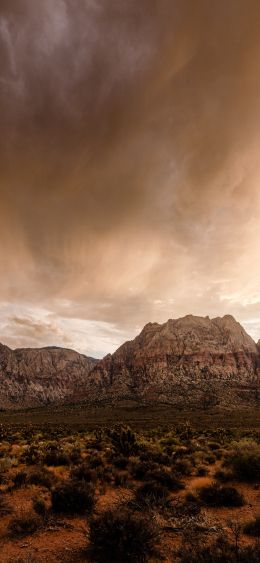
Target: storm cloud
129	167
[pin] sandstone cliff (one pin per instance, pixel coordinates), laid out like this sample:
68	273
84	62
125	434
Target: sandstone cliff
185	361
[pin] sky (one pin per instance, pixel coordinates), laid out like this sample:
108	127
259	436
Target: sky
129	167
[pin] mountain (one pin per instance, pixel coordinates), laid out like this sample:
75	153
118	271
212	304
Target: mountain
37	376
192	360
186	362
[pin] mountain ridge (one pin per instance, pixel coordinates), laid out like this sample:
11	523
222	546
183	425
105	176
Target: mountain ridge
175	362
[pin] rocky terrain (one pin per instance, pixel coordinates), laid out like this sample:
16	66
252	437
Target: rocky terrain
38	376
188	361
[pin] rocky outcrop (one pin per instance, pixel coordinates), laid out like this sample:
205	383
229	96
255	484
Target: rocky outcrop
32	377
192	360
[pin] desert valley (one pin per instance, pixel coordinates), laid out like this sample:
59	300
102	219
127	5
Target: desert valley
151	454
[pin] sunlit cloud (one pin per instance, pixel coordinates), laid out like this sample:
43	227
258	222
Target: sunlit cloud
129	167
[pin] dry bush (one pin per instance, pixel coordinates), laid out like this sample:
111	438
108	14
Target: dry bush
253	528
122	536
24	524
216	495
72	497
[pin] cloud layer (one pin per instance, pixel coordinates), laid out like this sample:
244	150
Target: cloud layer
129	169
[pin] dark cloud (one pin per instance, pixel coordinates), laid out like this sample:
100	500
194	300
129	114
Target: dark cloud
129	157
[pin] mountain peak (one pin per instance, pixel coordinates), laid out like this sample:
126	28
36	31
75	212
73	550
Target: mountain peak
166	361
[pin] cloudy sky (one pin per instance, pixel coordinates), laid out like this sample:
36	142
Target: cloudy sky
129	167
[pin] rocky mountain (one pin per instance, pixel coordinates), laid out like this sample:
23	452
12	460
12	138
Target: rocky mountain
32	377
189	361
192	360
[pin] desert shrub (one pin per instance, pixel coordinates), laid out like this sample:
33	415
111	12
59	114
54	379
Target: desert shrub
140	469
24	524
95	461
55	456
216	495
123	440
244	460
155	455
253	528
5	507
223	476
152	493
97	440
84	473
185	431
20	479
40	507
183	467
189	507
220	551
72	497
105	474
31	455
41	476
75	456
201	471
120	479
209	458
5	464
3	478
122	536
213	446
168	480
120	462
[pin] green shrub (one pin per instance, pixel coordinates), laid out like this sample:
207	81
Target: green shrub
244	459
123	440
122	536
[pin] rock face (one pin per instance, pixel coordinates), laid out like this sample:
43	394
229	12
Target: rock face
32	377
186	361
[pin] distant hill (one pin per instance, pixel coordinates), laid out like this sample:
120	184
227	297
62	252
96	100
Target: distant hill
39	376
